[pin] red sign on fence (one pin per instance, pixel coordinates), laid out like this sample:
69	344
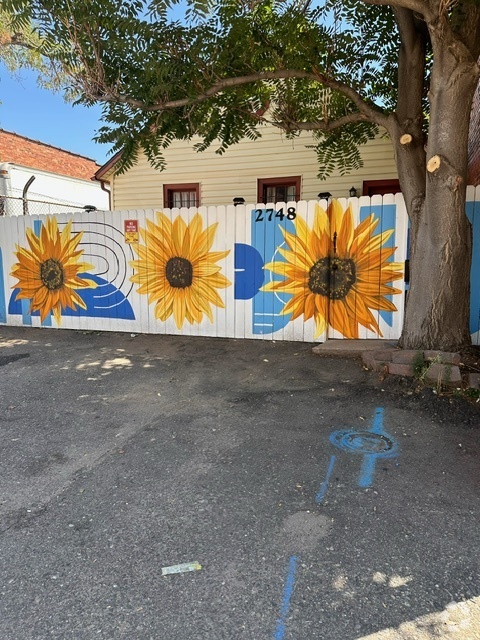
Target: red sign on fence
131	231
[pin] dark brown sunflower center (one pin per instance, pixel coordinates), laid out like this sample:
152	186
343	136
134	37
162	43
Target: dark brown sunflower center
179	272
51	273
332	277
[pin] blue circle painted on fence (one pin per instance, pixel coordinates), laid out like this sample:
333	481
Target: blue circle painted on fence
364	442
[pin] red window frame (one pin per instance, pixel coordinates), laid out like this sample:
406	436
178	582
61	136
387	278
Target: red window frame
169	189
289	181
380	187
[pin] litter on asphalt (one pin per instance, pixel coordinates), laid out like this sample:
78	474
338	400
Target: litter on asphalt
181	568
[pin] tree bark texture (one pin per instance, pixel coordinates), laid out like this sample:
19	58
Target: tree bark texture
437	309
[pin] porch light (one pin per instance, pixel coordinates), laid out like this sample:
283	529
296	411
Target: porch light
353	192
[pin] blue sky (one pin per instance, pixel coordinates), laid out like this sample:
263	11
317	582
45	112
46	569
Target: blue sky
43	115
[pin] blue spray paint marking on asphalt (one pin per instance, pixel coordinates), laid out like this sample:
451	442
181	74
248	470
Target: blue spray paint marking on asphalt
377	424
323	489
287	595
367	470
372	444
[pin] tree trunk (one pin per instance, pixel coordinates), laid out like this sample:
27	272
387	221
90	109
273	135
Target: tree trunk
438	302
437	310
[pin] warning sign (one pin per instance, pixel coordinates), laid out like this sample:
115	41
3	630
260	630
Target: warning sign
131	231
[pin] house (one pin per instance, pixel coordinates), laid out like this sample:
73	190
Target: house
270	169
38	178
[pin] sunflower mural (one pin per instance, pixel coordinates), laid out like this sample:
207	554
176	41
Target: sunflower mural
177	270
48	271
335	272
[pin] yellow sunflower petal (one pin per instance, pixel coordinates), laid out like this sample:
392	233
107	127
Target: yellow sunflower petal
309	306
321	222
320	325
57	314
178	235
179	306
202	244
345	235
335	213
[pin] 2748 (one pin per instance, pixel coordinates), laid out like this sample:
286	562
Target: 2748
268	214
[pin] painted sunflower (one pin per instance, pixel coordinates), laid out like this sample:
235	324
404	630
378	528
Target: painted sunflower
47	271
335	272
177	270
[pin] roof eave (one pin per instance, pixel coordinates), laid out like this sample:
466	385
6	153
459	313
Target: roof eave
107	167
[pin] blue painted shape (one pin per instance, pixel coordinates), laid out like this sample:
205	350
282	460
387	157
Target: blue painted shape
249	274
372	444
287	596
323	489
377	424
3	306
267	305
24	309
367	471
106	301
386	214
473	214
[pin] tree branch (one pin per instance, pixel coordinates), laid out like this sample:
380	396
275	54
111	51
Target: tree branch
107	95
418	6
411	68
319	125
368	111
372	113
16	40
470	28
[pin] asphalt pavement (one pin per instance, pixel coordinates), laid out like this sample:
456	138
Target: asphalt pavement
320	501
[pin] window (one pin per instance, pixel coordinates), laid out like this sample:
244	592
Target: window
181	195
279	189
380	187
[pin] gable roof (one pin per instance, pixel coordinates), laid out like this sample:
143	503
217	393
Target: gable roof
34	154
107	167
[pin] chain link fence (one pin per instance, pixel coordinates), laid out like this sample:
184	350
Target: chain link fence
10	206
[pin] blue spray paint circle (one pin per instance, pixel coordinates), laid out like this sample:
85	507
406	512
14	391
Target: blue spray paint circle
364	442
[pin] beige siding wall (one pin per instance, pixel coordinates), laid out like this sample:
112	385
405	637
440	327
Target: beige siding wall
235	173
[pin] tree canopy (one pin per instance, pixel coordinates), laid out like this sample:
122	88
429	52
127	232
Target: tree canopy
213	73
331	68
23	49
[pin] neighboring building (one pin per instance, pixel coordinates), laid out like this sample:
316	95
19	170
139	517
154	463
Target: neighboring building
474	142
270	169
60	177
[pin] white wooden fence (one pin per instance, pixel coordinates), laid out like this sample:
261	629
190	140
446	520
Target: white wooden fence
304	271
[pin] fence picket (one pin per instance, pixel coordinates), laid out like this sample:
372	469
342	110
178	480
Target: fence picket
473	213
